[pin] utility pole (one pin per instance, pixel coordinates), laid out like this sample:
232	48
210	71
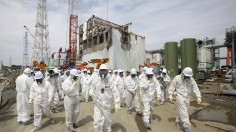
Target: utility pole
41	48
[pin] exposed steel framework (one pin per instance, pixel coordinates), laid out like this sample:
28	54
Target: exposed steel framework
73	30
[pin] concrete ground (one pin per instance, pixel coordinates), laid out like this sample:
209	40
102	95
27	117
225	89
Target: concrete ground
163	120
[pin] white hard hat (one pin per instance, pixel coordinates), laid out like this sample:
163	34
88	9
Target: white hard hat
109	71
38	75
119	70
27	71
114	71
56	70
133	71
74	72
188	72
145	68
103	66
164	71
149	71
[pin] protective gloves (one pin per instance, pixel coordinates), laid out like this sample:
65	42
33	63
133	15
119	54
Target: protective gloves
199	100
49	100
30	101
91	93
171	97
158	97
117	106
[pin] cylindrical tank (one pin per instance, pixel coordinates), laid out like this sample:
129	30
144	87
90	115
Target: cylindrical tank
189	54
171	58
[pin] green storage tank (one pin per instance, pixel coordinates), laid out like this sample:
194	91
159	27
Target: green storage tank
189	54
171	58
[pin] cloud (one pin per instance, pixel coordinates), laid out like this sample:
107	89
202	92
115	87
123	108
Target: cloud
160	21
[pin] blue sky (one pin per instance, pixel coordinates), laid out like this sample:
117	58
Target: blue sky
159	21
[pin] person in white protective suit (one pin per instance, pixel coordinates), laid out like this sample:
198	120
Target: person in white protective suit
23	84
41	92
120	85
143	74
183	85
109	75
113	77
52	79
85	85
71	100
148	86
59	87
164	81
65	75
102	92
132	84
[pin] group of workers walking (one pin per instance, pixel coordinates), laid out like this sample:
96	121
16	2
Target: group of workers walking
105	87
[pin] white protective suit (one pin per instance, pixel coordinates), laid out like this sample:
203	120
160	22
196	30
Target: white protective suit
164	90
71	100
54	83
85	86
102	103
23	84
120	85
112	79
40	93
132	85
183	88
148	88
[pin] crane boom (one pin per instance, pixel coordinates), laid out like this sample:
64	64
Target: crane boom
73	30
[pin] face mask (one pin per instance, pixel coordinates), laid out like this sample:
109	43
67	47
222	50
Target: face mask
103	73
74	78
51	75
39	81
149	76
121	74
85	72
133	75
67	73
56	75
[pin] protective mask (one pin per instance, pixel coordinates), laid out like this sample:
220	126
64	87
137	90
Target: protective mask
85	73
133	75
121	74
103	73
67	73
74	78
39	81
51	75
149	76
56	75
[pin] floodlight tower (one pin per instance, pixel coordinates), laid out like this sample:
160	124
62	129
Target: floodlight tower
73	30
41	48
25	52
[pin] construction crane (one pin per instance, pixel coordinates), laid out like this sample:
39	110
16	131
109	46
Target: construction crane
73	31
41	48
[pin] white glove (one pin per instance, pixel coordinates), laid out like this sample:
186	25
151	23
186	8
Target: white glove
117	106
158	97
30	101
49	100
91	93
199	100
74	82
171	97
